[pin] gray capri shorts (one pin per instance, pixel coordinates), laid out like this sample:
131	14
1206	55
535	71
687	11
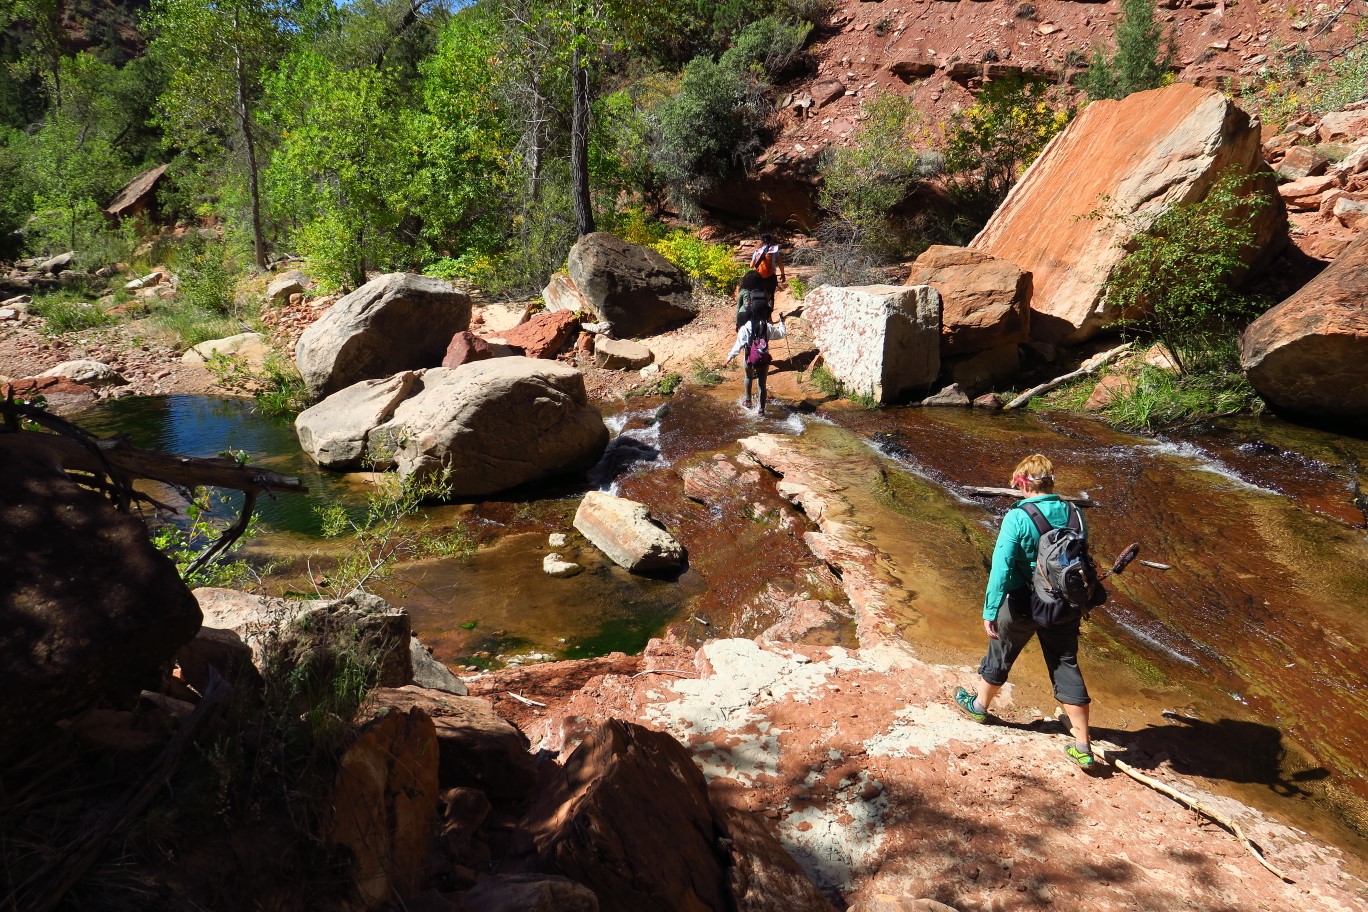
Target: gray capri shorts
1059	644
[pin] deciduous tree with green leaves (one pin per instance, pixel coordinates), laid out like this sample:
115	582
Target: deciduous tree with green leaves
214	54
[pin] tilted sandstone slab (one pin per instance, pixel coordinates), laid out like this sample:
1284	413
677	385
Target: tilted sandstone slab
881	341
392	323
495	424
1310	353
1135	158
625	531
985	301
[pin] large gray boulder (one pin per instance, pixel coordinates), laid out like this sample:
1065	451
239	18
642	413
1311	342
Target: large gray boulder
633	288
393	323
333	432
88	607
881	341
625	531
495	424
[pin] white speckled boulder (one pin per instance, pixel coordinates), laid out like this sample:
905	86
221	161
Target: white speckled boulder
881	341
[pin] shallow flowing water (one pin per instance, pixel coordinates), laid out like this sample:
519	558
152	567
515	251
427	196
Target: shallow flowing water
1252	642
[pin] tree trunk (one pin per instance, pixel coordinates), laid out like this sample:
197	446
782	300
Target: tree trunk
249	143
579	145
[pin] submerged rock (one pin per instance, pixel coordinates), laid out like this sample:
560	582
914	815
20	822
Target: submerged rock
625	531
392	323
552	565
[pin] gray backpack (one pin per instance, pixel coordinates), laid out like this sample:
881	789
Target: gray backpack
1065	581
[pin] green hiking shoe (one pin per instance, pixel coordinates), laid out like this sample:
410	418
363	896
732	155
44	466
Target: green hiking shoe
1084	759
965	701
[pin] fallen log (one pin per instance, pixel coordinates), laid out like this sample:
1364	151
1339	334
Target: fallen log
1086	368
1197	805
981	491
68	455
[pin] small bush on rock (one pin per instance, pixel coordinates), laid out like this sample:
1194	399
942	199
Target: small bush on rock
1177	283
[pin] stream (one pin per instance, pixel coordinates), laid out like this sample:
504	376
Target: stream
1244	665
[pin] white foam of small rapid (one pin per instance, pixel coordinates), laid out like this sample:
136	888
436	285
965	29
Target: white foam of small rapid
1204	462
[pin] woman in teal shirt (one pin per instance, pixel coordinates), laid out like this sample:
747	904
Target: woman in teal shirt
1007	611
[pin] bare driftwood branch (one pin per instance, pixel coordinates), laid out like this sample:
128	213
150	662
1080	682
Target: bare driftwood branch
1197	805
67	455
1086	368
524	700
980	491
111	466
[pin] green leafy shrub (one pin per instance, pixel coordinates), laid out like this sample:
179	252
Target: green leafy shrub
704	373
823	379
863	184
712	265
1177	283
991	142
277	388
710	128
1143	58
391	528
770	47
184	541
1161	397
189	324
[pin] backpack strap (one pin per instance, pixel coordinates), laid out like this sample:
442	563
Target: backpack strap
1075	519
1038	519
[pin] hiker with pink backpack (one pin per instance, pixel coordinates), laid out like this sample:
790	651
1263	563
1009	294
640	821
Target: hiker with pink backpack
753	338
